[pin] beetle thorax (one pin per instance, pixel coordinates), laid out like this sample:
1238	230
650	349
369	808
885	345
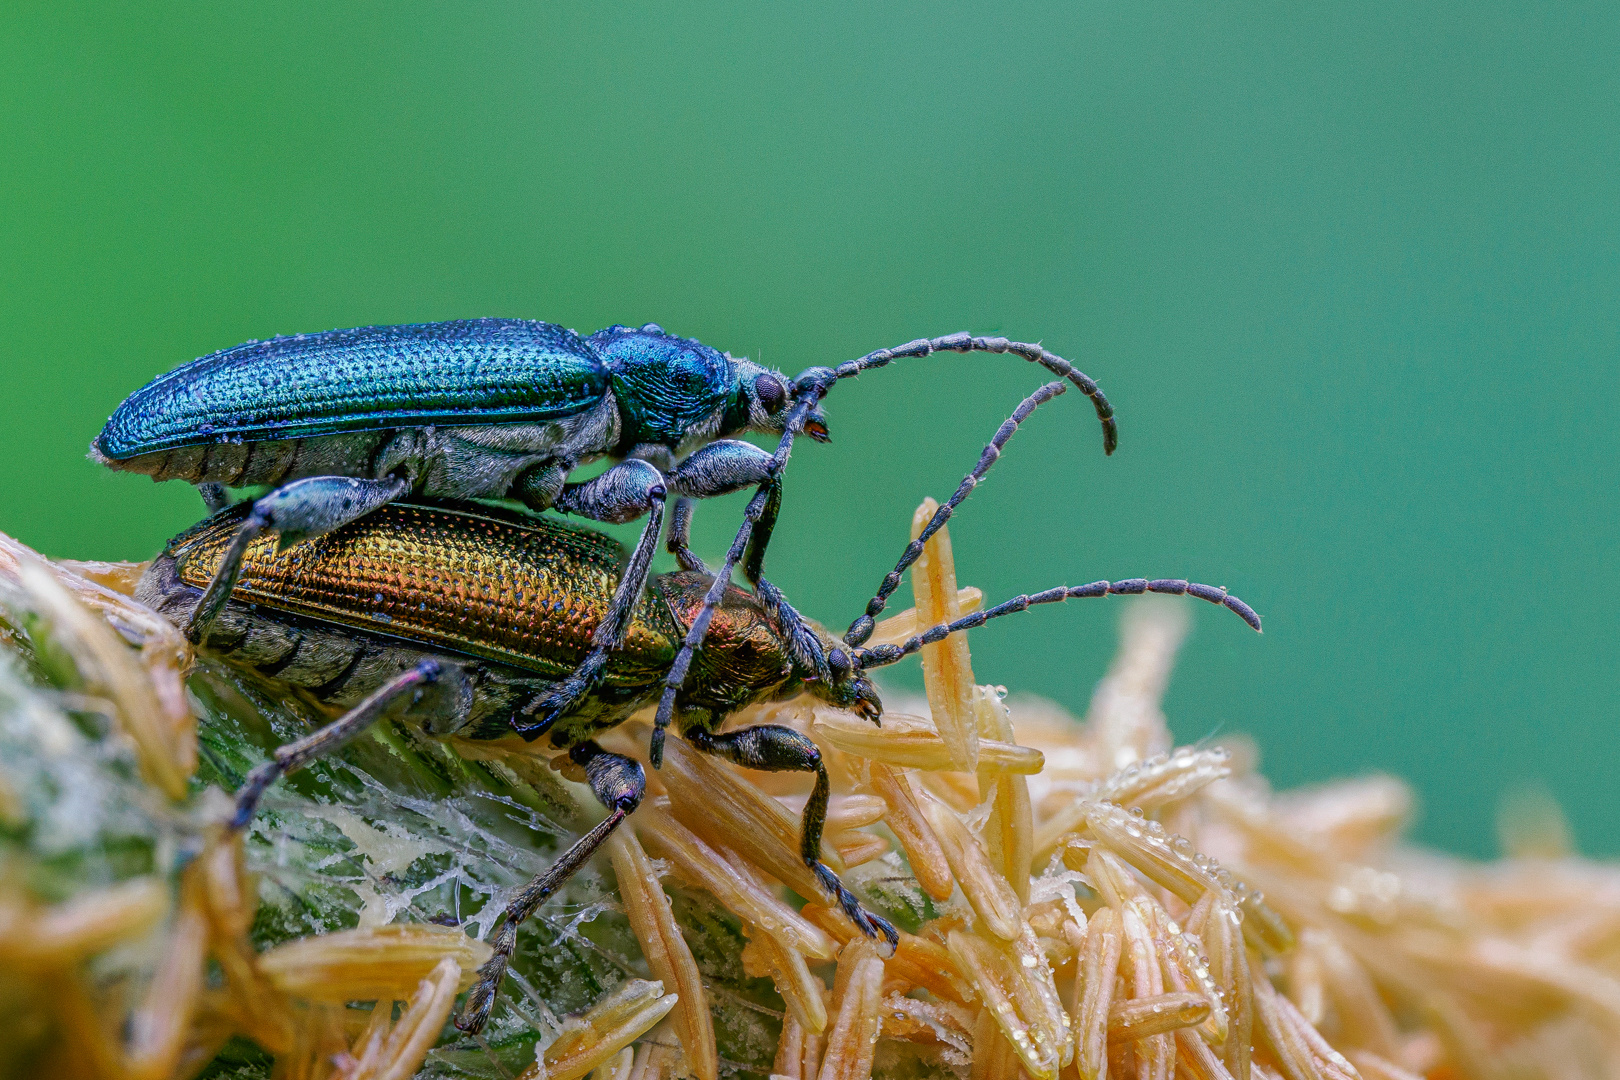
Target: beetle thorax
744	658
669	389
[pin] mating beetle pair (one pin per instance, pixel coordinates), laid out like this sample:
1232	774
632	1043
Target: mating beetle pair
472	619
480	622
340	423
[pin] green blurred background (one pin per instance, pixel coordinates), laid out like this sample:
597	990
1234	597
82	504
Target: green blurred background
1350	274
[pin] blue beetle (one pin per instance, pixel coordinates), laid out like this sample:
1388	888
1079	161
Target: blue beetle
342	422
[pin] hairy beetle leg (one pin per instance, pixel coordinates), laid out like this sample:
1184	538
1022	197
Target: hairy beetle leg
758	508
619	784
295	755
803	645
622	493
302	510
722	467
755	467
679	541
214	496
773	748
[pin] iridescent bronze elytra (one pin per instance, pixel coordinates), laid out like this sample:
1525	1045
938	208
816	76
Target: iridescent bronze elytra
463	617
516	598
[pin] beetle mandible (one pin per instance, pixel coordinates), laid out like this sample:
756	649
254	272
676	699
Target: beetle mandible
459	614
342	422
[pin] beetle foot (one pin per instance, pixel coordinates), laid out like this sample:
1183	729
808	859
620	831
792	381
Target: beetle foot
873	926
481	998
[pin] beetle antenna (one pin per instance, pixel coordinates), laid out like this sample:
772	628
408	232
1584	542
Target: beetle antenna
861	628
966	343
879	655
804	400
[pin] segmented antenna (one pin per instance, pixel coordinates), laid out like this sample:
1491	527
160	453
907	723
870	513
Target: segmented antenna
861	628
879	655
966	343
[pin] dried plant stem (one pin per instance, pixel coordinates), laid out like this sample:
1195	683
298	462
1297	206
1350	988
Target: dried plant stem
947	671
606	1028
665	951
857	995
910	826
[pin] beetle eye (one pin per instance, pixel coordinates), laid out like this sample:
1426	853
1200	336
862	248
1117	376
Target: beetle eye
771	393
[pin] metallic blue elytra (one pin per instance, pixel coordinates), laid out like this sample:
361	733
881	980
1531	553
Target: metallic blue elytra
473	371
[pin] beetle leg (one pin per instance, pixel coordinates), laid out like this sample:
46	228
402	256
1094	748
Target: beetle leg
295	755
623	493
721	467
619	784
300	511
804	401
728	465
214	496
803	644
773	748
679	542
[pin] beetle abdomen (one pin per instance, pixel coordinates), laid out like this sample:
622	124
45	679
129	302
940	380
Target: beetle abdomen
527	592
243	464
475	371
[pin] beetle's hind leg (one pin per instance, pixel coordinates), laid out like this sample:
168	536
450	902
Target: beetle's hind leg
720	468
619	784
301	510
773	748
295	755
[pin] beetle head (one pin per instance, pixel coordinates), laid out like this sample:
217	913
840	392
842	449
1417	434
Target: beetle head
847	686
764	397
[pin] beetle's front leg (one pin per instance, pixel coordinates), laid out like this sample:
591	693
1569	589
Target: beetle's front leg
618	783
728	465
622	493
302	510
803	645
721	467
773	748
